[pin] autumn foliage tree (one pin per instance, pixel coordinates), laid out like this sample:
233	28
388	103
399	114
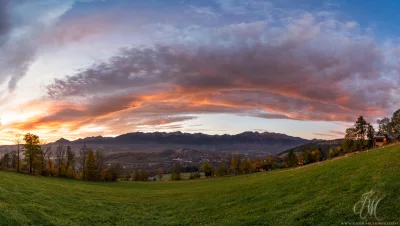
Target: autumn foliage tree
31	149
176	172
270	163
208	169
90	166
235	163
222	170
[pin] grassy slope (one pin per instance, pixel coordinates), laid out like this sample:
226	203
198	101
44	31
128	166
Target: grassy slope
322	194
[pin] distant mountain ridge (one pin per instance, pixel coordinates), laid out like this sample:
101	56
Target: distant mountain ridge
246	141
186	138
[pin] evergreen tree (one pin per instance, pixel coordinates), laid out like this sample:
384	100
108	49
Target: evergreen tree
291	159
370	135
361	127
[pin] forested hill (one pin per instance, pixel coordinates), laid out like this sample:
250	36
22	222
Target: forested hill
323	145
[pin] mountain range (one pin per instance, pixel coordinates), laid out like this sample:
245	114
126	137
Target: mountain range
271	143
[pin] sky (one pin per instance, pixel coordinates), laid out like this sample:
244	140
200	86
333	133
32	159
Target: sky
306	68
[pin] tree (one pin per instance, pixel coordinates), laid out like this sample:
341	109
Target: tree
5	161
291	159
90	166
14	161
83	154
160	173
317	154
247	166
384	126
112	173
60	155
17	142
370	135
100	164
31	149
270	163
70	165
208	169
361	127
235	164
331	153
222	170
45	156
349	140
339	150
395	122
176	172
307	157
140	175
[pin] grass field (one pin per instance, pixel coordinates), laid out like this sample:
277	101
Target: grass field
322	194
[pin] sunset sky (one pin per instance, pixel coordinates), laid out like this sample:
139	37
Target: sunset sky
307	68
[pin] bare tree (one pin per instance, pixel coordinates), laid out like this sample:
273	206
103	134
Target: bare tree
160	173
46	153
60	154
83	154
70	159
18	142
48	157
100	163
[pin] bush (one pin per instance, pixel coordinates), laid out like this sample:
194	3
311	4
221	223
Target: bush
222	170
194	175
208	169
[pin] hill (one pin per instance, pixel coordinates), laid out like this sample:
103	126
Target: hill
319	194
323	145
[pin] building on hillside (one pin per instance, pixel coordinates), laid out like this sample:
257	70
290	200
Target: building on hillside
380	140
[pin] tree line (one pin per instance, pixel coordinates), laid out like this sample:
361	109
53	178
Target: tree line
361	136
237	165
34	156
390	126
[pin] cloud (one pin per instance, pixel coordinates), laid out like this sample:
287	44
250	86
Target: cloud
28	28
305	70
4	19
302	67
340	133
323	134
202	11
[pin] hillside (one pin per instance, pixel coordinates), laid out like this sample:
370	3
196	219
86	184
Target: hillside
323	145
320	194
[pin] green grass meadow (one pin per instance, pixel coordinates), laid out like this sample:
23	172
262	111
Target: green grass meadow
320	194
